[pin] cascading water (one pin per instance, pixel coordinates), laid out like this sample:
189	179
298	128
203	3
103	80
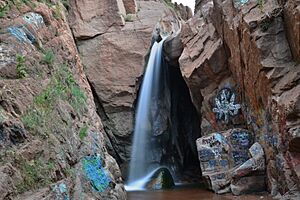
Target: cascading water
139	165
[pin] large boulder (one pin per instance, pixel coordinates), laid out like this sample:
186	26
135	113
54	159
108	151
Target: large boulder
229	159
220	153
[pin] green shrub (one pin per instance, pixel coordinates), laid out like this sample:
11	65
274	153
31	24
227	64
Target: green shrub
48	58
66	3
4	10
42	117
57	11
261	3
83	132
20	67
36	174
128	18
169	4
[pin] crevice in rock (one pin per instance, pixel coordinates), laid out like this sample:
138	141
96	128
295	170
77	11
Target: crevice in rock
110	140
185	123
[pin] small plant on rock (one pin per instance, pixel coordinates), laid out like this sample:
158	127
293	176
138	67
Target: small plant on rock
4	10
83	132
48	58
21	68
128	18
261	4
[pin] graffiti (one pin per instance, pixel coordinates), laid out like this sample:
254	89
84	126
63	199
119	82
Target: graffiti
218	151
212	163
272	140
241	142
224	163
206	154
22	34
61	192
225	105
98	177
238	3
220	176
35	19
214	140
19	33
240	157
242	138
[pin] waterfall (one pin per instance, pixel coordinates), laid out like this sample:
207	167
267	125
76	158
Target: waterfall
139	164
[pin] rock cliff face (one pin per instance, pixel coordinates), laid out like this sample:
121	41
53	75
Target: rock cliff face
241	64
113	57
51	138
113	43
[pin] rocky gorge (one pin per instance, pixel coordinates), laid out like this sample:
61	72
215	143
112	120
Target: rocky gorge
227	114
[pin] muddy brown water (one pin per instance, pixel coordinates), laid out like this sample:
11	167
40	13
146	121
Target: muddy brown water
192	194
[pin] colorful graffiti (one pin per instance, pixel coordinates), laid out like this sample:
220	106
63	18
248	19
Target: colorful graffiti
61	192
34	19
94	171
225	105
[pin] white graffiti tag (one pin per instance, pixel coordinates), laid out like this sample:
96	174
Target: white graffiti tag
225	105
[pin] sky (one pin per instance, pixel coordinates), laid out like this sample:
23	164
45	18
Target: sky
189	3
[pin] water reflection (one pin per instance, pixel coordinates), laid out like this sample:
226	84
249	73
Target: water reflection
191	194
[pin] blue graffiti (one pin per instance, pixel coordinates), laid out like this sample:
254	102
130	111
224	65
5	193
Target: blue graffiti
212	163
241	138
238	3
240	157
19	34
224	163
61	192
35	19
206	155
272	140
22	34
95	173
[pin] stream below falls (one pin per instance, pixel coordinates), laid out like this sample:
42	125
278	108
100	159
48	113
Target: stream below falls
191	193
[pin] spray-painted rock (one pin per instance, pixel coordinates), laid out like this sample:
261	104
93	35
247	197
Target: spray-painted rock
161	179
230	161
220	153
242	183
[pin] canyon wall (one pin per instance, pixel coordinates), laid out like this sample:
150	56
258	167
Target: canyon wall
241	64
52	142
